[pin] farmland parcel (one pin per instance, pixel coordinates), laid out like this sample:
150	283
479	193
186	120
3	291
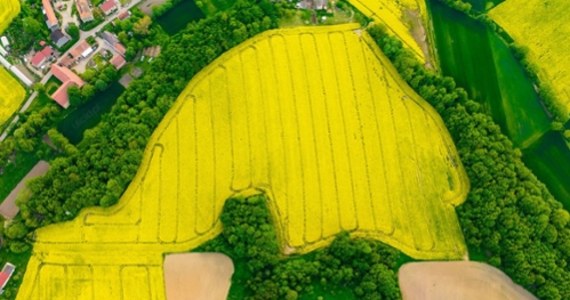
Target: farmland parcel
544	27
315	117
392	15
11	93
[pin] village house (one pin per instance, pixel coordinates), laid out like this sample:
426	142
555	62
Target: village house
68	78
124	15
84	10
108	7
59	38
82	50
113	42
51	18
5	275
40	58
118	61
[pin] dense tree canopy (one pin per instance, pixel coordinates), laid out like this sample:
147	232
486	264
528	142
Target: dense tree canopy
366	268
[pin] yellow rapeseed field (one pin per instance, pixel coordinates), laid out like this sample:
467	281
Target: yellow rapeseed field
8	10
315	117
543	27
11	92
11	95
391	14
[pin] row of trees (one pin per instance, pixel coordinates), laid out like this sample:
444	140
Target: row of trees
509	215
27	136
366	268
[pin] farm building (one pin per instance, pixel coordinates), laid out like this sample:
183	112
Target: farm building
118	61
40	58
51	18
124	15
59	38
84	10
113	42
108	7
83	49
5	275
68	78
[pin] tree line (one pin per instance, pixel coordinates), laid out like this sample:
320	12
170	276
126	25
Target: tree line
365	268
509	217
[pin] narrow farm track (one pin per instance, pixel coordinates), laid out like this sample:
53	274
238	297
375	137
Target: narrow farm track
315	117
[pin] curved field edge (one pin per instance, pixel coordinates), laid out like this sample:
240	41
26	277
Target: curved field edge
542	32
62	252
453	198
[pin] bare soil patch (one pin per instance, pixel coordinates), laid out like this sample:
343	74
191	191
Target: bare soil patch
457	280
8	208
197	276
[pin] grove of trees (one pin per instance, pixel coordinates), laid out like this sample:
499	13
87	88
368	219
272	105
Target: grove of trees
365	269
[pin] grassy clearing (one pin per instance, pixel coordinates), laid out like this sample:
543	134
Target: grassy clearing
268	116
391	14
497	80
545	30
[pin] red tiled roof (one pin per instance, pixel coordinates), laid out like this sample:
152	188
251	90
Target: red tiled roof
60	95
124	15
120	48
40	57
4	279
64	74
68	78
108	6
118	61
82	46
84	10
50	14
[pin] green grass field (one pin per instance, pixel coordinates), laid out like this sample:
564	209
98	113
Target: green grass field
549	151
544	27
497	80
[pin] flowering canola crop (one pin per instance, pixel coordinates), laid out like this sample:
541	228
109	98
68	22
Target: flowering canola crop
391	14
543	27
8	10
11	92
11	95
315	117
